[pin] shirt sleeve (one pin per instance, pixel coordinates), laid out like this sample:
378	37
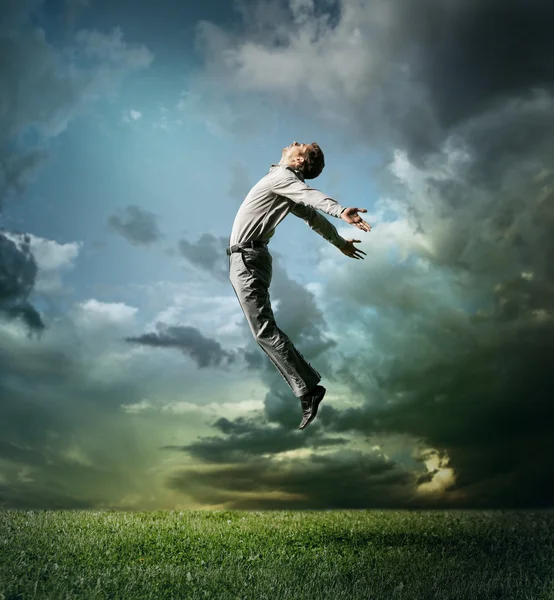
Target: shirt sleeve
319	224
292	188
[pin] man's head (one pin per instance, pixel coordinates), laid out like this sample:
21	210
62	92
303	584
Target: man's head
307	158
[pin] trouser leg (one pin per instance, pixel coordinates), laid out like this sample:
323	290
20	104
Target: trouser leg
250	274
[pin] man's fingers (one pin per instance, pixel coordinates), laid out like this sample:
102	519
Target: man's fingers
353	252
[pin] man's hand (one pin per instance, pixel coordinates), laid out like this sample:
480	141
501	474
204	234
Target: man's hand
351	250
350	215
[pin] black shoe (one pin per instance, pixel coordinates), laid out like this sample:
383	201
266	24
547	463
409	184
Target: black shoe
310	403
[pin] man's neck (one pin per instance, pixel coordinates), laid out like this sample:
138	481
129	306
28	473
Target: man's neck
290	166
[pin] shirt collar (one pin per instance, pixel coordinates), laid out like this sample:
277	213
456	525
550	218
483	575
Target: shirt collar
298	173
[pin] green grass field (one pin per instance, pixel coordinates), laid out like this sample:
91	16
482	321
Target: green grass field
350	555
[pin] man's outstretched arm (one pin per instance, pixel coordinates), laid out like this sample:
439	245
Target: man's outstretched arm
291	187
296	190
326	230
319	224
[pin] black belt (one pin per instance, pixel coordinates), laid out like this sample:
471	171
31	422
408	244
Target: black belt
239	247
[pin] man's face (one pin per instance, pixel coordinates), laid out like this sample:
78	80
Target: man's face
294	154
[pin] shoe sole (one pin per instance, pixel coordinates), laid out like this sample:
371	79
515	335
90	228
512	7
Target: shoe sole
318	399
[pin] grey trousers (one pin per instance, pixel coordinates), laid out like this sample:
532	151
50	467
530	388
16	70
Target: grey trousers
250	272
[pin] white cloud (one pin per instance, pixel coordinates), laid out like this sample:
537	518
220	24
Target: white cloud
229	410
131	115
336	65
51	255
443	475
137	407
214	315
213	410
93	314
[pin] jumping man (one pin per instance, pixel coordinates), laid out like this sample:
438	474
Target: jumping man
280	192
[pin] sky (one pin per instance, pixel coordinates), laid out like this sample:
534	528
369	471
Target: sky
130	133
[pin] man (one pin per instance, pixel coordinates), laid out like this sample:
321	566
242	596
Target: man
280	192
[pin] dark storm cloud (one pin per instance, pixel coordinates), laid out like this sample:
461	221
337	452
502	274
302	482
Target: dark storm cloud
16	496
462	58
253	358
441	64
208	254
491	409
344	479
49	404
18	271
205	351
466	58
137	225
249	438
17	170
471	55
